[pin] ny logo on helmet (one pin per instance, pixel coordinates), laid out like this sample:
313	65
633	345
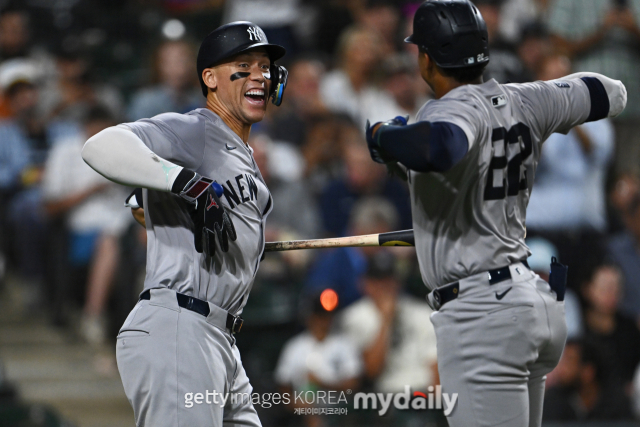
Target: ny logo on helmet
255	33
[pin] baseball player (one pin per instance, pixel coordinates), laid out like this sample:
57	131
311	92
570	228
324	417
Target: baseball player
470	161
176	351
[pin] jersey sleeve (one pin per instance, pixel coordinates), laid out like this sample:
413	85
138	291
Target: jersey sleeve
558	105
455	111
178	138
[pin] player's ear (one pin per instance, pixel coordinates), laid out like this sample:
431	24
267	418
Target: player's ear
209	78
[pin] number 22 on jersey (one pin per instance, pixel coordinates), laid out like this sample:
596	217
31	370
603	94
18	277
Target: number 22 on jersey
499	186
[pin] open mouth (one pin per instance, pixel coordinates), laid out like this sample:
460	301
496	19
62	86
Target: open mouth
255	96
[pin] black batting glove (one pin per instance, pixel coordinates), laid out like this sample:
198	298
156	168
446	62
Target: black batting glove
210	219
377	152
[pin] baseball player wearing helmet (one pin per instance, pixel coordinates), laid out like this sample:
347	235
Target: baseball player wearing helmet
470	160
176	351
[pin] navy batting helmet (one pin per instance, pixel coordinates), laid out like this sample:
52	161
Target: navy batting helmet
237	37
452	32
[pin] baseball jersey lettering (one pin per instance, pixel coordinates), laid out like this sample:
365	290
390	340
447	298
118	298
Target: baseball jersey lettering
172	260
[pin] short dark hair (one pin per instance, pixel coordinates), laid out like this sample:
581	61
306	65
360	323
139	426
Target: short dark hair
465	75
461	75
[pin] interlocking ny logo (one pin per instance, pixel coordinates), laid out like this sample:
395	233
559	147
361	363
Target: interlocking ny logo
254	33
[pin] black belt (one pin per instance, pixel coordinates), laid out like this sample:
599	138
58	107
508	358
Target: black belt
450	292
234	323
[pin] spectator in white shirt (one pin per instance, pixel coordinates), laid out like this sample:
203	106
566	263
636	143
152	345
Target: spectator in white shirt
392	331
318	358
95	217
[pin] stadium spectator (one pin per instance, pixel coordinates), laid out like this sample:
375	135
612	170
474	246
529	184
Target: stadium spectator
282	168
568	205
581	391
359	179
614	336
343	268
392	331
292	120
318	358
26	138
601	36
383	18
95	218
534	47
74	91
624	251
404	83
504	66
174	85
516	15
351	88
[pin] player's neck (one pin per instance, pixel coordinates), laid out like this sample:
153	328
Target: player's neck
237	126
443	85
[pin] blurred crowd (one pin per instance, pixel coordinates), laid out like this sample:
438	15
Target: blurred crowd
344	319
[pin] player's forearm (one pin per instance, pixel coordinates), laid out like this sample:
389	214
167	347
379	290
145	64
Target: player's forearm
425	146
615	92
119	155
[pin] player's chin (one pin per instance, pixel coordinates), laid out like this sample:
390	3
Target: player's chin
254	109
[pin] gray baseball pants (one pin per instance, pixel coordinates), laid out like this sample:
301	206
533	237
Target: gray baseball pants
495	353
167	355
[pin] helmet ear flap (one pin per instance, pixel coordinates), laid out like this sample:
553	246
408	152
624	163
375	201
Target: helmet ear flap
279	76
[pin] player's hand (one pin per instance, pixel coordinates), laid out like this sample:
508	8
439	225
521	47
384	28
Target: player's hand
377	153
210	220
209	216
373	138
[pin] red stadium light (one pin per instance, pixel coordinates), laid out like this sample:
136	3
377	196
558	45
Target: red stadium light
329	299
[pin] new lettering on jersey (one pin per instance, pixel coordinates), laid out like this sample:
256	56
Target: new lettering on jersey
202	142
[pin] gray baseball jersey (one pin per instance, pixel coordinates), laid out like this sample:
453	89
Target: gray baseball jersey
471	218
201	141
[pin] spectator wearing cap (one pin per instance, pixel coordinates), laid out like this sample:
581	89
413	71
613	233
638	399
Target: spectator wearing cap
95	218
174	85
542	251
318	358
392	331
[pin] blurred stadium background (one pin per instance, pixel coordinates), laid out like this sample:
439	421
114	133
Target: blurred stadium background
72	261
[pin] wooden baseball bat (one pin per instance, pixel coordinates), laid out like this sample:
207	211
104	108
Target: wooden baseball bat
394	238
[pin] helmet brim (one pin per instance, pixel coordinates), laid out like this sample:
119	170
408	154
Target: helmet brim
274	51
409	39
